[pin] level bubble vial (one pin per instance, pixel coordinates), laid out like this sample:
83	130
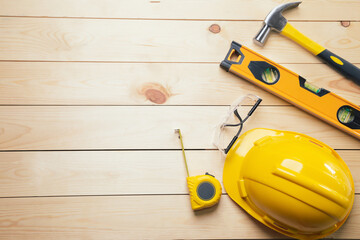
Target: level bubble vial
270	75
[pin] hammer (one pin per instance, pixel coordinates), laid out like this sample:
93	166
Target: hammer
275	21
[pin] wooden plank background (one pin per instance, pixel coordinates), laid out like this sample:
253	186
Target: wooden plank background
91	90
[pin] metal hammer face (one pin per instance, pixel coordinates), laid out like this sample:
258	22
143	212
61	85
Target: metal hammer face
274	21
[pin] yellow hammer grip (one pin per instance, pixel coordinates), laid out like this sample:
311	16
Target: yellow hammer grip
291	32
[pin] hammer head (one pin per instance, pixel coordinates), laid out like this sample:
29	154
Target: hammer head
274	21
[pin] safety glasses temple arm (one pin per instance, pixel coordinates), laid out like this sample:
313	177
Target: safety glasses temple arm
241	124
254	107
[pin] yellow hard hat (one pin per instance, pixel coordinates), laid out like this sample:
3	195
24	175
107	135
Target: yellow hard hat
290	182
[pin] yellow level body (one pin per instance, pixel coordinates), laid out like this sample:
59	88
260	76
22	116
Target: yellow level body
293	88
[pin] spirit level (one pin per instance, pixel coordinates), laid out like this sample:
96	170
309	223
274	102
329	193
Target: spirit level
293	88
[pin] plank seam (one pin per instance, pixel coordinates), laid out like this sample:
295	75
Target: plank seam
111	195
104	195
136	62
170	19
138	105
130	150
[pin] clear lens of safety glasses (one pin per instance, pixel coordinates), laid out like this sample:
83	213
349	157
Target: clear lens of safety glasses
230	127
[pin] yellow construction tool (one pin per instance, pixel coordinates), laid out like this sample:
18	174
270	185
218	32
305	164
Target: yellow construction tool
293	88
277	22
205	190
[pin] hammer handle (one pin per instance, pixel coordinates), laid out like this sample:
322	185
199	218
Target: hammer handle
341	65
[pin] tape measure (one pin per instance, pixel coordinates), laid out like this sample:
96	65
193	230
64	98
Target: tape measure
204	190
293	88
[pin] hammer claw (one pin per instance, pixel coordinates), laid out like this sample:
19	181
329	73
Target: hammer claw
274	21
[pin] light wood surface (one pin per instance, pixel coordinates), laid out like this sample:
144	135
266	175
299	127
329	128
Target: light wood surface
54	83
91	91
142	127
137	217
114	172
172	9
59	39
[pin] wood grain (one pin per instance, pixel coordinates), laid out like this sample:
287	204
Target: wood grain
172	9
110	173
49	83
38	39
137	217
131	53
55	128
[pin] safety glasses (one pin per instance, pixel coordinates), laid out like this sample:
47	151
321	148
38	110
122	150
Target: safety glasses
237	115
